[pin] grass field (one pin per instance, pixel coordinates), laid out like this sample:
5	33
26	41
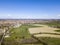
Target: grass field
22	32
18	34
51	41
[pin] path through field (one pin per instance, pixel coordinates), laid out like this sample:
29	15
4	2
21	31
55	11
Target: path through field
44	31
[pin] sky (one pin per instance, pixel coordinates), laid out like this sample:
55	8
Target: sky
29	9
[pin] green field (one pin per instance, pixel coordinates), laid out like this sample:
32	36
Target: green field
51	41
20	33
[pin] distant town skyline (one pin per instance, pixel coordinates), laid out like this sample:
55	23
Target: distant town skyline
29	9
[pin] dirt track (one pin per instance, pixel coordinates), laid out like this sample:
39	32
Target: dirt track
44	29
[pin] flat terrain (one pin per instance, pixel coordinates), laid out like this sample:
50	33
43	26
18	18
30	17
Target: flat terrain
45	31
22	34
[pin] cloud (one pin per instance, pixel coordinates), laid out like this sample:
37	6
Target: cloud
9	15
59	15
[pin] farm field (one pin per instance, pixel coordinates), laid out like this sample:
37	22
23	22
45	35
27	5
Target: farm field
29	22
47	34
51	41
32	34
21	36
44	31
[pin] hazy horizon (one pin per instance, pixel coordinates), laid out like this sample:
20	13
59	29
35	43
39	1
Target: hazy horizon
29	9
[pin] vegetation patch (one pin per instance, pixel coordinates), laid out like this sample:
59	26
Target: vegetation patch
57	30
18	34
51	41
